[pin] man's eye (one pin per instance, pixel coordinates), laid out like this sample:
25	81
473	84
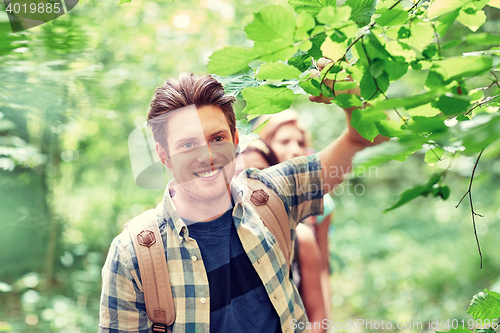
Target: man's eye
218	138
187	145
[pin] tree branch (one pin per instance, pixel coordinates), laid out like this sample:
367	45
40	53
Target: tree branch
469	192
482	103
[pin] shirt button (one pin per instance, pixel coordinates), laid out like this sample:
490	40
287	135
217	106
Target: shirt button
203	301
193	258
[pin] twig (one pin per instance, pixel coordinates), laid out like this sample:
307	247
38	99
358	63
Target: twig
481	104
494	82
395	4
469	192
439	159
437	38
415	5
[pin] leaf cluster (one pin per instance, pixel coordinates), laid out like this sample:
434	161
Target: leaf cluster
374	46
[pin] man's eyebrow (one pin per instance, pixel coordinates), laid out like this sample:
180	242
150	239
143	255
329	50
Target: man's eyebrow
220	132
182	139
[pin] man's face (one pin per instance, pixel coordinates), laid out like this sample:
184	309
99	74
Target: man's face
201	151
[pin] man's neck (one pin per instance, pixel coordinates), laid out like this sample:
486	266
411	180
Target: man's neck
194	209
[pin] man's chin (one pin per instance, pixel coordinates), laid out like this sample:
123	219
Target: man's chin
205	191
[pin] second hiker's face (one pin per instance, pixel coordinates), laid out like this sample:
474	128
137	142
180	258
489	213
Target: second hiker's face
201	151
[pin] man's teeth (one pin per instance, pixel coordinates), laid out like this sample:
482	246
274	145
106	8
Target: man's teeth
207	174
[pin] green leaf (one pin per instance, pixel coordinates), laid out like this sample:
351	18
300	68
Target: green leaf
334	16
415	192
430	51
310	6
124	1
476	95
395	69
440	7
395	16
452	105
422	34
301	61
273	51
433	155
344	85
230	60
326	91
472	20
312	86
409	102
408	195
267	99
315	50
444	192
363	120
404	33
277	71
361	10
457	67
485	305
233	85
377	68
333	50
389	128
483	39
445	22
425	110
390	150
272	23
244	127
304	22
347	100
368	86
451	44
421	124
479	132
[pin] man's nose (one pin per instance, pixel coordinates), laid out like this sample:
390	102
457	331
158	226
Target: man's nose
206	155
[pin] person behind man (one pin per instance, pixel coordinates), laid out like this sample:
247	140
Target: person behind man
307	273
227	272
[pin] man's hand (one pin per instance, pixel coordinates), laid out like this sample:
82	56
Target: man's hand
336	158
322	63
353	135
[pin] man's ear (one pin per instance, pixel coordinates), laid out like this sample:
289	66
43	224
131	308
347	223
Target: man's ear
163	156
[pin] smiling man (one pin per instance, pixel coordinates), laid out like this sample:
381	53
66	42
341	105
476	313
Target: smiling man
227	271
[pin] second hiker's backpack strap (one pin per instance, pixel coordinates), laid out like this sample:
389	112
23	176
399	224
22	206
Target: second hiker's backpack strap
148	246
272	212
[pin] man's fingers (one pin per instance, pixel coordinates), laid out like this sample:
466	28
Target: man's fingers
321	99
322	62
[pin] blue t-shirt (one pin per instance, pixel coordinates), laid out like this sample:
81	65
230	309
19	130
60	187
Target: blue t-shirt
238	299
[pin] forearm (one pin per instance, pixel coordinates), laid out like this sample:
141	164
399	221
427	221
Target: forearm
336	160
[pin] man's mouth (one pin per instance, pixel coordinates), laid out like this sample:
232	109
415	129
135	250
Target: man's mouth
207	174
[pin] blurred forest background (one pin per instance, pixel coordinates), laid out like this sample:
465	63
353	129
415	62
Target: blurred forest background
72	91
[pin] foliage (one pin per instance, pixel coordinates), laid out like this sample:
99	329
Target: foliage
72	92
379	45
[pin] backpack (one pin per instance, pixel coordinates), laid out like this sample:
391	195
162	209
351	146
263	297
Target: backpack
149	248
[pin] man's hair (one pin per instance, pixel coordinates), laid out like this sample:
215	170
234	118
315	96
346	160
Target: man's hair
188	89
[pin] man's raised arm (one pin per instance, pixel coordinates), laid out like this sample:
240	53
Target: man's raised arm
336	158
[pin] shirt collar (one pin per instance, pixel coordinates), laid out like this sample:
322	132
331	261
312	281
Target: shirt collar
238	192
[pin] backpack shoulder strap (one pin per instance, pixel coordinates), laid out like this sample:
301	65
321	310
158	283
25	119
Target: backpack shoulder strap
148	246
272	212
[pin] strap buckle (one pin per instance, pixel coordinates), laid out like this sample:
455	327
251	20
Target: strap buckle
159	328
